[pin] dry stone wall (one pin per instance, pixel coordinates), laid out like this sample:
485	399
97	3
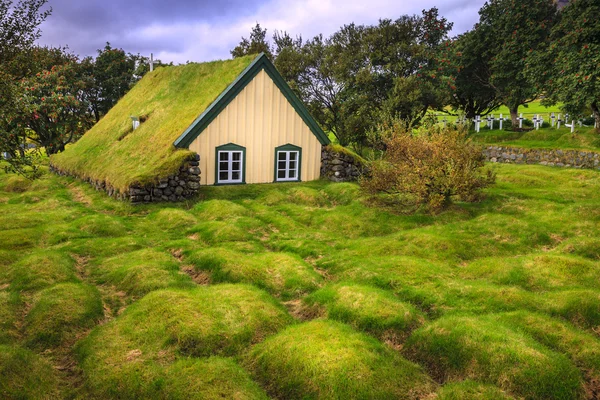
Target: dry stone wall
551	157
176	187
339	166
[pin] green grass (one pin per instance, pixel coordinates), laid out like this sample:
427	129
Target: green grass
458	348
550	138
171	98
366	308
327	360
284	275
136	352
140	272
303	290
58	313
25	375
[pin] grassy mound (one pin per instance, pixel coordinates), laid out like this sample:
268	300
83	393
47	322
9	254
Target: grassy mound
170	98
457	348
219	210
17	184
8	317
582	348
60	311
281	274
140	272
329	360
100	225
38	270
471	390
172	219
367	308
134	352
25	375
539	272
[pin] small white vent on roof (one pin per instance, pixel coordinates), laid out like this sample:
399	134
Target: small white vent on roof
135	122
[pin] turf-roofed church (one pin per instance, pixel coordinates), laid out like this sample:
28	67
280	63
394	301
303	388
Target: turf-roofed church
216	123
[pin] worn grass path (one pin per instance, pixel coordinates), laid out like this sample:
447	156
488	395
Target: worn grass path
301	291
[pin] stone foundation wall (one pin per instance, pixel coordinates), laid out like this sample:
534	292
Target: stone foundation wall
340	167
551	157
177	187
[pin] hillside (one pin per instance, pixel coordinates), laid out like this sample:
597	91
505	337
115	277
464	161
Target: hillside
169	99
301	291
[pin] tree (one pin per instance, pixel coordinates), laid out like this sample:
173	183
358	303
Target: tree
463	61
510	30
51	113
255	45
569	68
108	78
308	68
19	28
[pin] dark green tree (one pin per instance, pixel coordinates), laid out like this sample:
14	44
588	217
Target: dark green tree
463	61
509	31
568	69
19	29
256	44
108	78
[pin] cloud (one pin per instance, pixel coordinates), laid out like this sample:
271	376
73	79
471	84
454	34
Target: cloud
182	31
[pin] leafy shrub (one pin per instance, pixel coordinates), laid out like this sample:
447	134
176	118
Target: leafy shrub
428	168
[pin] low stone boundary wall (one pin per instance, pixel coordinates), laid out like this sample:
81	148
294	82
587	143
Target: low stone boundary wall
176	187
340	167
551	157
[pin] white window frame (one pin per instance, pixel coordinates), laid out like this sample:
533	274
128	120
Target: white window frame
230	169
287	168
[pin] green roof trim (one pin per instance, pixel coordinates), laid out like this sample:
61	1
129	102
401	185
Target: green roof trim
260	63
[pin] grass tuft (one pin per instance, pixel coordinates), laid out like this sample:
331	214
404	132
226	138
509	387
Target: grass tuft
455	348
329	360
471	390
367	308
25	375
59	312
137	350
39	270
140	272
282	274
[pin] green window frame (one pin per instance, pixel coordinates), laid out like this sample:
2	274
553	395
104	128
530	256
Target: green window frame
230	164
288	163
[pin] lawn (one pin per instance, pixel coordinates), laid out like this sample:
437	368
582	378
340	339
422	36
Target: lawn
584	138
301	291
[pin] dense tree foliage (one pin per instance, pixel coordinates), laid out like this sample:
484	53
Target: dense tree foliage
256	44
568	68
463	60
19	24
507	33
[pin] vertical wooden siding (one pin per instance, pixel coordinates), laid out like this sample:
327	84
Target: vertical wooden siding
260	118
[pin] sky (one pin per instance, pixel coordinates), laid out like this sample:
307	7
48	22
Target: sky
201	30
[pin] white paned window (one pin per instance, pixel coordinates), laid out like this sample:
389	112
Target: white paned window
230	166
288	163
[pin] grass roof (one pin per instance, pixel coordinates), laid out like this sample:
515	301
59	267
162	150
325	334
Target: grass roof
170	99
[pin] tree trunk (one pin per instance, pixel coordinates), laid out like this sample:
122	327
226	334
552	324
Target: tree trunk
596	110
514	116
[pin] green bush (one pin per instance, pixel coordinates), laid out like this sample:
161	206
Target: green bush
427	168
329	360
